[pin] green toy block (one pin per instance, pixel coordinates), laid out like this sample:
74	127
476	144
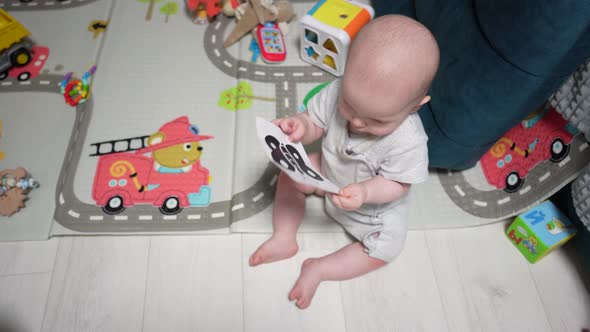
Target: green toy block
540	230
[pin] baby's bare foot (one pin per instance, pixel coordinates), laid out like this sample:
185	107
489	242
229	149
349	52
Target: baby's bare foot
274	249
307	283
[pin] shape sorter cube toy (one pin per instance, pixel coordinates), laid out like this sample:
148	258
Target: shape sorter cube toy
327	30
540	230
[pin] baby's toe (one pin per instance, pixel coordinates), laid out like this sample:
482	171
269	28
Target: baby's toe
255	259
295	294
303	302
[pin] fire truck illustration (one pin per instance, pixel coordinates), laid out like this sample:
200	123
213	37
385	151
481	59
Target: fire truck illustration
162	169
544	135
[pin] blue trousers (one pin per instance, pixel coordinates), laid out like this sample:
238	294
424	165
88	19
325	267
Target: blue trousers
500	59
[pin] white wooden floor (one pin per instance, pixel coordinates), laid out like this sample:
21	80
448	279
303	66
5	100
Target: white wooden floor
447	280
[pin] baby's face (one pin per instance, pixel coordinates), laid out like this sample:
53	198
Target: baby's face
372	112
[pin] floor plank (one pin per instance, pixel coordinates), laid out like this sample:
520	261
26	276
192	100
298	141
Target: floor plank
98	284
485	282
457	280
266	307
22	301
445	263
563	292
27	257
402	296
194	284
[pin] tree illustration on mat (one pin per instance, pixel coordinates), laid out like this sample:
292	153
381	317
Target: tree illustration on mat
169	8
150	10
239	97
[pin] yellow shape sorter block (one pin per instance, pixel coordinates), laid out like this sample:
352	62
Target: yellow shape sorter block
327	30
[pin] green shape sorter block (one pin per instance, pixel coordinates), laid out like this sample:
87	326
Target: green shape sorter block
540	230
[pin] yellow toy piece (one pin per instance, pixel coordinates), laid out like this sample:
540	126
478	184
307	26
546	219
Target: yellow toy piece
11	31
97	27
347	12
15	48
328	29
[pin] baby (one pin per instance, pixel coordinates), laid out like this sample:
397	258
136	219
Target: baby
374	148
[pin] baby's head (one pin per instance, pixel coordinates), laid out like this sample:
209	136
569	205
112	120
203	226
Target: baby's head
389	68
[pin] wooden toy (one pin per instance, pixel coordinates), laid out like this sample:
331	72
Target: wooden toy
327	31
253	13
540	230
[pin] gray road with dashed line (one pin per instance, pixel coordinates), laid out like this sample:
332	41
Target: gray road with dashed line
538	184
42	83
18	5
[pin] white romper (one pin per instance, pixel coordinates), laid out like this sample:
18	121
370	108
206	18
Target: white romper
401	156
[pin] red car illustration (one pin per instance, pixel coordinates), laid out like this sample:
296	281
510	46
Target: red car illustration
31	70
542	136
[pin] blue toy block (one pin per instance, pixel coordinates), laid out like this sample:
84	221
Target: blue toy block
540	230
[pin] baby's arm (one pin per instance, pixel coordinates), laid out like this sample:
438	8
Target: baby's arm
381	190
300	128
377	190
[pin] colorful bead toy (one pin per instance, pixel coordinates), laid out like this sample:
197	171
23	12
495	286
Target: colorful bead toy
76	91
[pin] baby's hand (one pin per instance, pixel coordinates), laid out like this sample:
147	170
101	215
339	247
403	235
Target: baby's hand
292	126
350	197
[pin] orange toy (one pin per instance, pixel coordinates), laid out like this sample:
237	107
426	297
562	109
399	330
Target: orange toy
205	10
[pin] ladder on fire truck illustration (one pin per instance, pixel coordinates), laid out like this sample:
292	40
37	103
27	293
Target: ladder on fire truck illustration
119	145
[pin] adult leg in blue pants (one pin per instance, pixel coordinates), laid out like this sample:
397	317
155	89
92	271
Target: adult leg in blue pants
499	61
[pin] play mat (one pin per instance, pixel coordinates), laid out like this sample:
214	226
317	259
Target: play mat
114	165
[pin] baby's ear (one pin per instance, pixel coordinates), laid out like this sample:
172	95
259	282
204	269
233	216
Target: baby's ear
424	101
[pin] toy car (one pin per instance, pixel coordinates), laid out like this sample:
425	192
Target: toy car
15	48
40	55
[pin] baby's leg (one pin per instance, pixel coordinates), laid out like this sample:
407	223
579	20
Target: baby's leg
347	263
289	207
